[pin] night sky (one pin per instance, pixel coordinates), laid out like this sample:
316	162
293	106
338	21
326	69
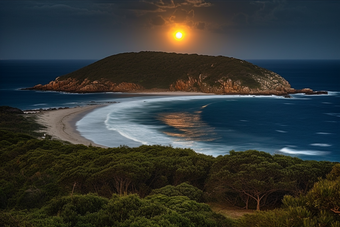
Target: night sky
245	29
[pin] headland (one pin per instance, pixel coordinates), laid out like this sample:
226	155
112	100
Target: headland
162	72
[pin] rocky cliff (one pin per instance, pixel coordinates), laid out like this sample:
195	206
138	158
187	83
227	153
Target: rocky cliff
143	71
272	84
86	86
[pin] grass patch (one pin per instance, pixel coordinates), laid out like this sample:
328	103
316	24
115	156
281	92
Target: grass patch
229	211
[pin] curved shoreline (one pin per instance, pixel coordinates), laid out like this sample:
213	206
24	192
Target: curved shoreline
61	123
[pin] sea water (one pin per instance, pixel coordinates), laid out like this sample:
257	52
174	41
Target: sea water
306	126
18	74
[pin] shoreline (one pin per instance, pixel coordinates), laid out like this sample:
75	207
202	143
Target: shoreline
61	124
170	93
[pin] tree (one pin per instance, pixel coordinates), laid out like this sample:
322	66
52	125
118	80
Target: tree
319	207
306	173
183	189
252	174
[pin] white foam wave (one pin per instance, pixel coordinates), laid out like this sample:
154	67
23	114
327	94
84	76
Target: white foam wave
333	93
288	150
281	131
333	114
121	118
329	93
320	145
324	133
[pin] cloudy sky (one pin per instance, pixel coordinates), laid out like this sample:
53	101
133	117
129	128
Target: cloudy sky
94	29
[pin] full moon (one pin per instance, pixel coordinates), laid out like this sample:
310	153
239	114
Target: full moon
179	35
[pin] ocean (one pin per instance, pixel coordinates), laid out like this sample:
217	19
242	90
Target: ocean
304	126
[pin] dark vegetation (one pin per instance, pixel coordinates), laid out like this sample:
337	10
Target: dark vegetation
49	183
159	70
13	119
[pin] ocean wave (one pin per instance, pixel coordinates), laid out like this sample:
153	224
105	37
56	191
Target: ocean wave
300	96
119	121
324	133
281	131
288	150
320	145
329	93
333	114
122	118
333	93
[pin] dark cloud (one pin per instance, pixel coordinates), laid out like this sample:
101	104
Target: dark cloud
198	3
158	20
200	25
138	5
241	19
178	2
181	15
274	14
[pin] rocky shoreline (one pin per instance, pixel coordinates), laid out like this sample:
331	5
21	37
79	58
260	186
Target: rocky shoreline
228	88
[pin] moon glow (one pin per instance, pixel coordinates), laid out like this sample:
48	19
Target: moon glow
179	35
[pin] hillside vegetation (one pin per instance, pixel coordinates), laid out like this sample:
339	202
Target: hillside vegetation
159	70
171	71
13	119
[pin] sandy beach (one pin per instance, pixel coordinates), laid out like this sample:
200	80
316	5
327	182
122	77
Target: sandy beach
61	123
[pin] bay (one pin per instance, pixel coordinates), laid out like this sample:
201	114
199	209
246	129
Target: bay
303	126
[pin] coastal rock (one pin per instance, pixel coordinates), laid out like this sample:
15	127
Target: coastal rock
86	86
273	84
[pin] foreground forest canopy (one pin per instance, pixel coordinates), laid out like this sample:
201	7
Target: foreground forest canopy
50	183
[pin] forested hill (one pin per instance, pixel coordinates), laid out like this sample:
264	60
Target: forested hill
160	70
171	72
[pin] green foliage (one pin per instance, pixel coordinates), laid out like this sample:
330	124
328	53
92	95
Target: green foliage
14	120
183	189
335	173
91	210
159	70
48	183
252	174
319	207
306	173
34	171
261	177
